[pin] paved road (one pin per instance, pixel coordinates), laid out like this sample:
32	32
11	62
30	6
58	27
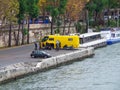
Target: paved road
22	54
15	55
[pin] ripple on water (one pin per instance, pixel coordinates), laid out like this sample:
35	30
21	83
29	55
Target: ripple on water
98	73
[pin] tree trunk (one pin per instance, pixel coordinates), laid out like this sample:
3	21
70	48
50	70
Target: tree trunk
69	27
52	26
14	33
95	19
100	19
28	32
17	41
64	26
22	34
87	21
9	42
77	26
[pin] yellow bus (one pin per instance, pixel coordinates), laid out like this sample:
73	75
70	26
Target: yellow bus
64	41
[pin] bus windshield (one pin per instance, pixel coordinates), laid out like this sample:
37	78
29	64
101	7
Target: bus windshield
45	39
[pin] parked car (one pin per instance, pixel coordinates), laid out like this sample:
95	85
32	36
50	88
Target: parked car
40	54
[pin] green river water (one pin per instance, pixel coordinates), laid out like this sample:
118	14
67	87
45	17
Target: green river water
101	72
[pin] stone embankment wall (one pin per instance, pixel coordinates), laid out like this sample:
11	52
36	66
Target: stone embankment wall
26	68
36	31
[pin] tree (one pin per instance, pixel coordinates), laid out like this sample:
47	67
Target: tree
73	10
9	10
112	5
56	8
62	9
42	5
21	17
32	12
11	17
97	7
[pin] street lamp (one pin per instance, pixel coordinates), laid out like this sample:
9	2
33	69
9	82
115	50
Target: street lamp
50	18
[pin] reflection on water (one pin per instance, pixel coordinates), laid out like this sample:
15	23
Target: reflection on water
102	72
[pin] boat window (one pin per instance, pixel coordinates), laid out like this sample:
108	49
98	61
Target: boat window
112	35
45	39
118	35
90	38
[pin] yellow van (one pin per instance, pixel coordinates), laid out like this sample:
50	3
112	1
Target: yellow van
64	41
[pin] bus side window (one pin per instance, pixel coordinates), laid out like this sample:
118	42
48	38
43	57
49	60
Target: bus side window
51	39
70	39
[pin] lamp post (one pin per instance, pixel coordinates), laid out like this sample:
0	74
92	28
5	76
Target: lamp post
50	18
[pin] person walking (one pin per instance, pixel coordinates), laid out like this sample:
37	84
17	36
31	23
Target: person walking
35	45
57	45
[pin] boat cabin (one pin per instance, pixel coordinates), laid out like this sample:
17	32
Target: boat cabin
88	37
110	33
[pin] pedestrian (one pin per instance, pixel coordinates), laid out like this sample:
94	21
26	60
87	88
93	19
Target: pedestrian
39	45
57	45
35	45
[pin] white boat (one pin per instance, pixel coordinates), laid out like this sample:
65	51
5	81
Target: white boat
92	39
112	35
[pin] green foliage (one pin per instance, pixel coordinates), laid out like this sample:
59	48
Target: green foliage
57	31
62	6
114	4
29	8
32	8
59	22
92	23
96	7
56	10
78	27
22	10
25	31
97	28
113	23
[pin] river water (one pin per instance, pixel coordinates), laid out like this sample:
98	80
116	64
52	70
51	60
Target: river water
101	72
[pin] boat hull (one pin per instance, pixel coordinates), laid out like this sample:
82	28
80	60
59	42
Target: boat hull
112	41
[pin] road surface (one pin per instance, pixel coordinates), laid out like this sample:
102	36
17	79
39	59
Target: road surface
22	54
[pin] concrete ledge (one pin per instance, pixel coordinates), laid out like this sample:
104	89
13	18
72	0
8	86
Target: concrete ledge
25	68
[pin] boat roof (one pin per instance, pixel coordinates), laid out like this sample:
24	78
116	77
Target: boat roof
117	29
105	29
110	29
89	34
